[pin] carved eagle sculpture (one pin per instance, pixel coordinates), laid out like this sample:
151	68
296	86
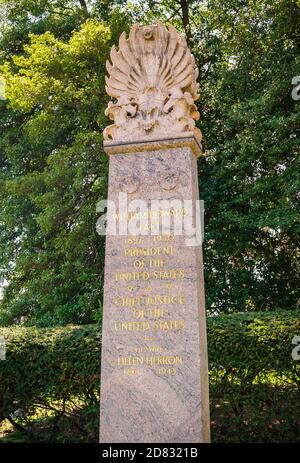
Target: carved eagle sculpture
152	79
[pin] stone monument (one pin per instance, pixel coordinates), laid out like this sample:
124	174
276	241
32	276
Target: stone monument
154	378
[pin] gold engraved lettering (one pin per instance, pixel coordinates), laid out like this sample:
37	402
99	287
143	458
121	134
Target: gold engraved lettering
164	299
132	276
163	360
128	301
148	349
173	274
152	312
128	361
164	238
166	371
152	360
132	326
156	263
168	325
148	252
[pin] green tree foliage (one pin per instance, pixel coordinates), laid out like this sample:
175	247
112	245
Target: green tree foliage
20	18
61	384
53	170
250	176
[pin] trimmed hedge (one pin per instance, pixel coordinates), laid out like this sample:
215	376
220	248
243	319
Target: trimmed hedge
52	371
254	382
251	344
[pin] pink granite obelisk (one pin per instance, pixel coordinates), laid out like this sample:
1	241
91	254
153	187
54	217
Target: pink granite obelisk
154	378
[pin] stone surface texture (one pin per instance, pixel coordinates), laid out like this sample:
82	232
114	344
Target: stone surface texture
149	402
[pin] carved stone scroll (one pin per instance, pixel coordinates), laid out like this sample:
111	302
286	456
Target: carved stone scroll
152	80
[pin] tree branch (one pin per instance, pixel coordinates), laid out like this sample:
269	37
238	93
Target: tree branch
21	428
84	8
185	19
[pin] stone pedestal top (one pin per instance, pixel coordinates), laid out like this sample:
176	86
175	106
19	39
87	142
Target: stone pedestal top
186	139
